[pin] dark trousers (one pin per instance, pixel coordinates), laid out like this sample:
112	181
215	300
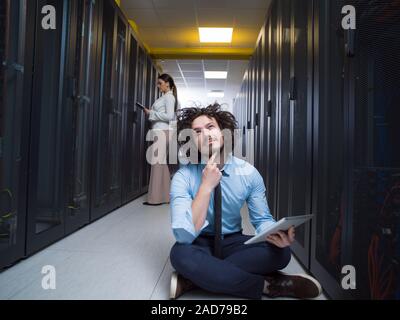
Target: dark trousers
241	270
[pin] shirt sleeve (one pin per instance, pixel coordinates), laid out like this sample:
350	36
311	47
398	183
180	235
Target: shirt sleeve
260	215
181	209
168	114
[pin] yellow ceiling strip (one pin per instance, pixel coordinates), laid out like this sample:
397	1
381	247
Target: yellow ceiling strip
202	53
118	2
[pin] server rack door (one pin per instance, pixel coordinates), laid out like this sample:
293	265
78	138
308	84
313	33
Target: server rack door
244	113
132	144
261	118
146	124
120	101
329	152
107	176
46	190
141	97
300	122
284	25
373	222
270	141
249	114
79	101
258	105
13	151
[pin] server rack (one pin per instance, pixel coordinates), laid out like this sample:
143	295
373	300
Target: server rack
13	122
330	137
72	153
46	190
132	128
79	96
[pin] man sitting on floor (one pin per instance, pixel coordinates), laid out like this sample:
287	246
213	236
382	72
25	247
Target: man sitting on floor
223	263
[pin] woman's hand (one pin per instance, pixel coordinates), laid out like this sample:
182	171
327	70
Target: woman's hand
281	239
146	111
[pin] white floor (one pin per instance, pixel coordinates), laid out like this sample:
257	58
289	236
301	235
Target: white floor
124	255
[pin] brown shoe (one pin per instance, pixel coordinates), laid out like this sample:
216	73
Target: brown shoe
300	286
179	285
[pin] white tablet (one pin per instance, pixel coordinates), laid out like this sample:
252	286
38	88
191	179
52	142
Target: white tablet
283	225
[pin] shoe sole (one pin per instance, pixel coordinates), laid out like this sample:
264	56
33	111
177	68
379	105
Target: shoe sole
174	286
306	276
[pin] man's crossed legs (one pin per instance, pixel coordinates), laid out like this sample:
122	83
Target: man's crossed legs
246	271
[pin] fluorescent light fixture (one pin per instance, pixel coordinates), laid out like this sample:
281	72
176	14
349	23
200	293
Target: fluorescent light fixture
216	35
216	94
215	74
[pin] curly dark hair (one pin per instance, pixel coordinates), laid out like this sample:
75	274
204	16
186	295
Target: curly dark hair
225	119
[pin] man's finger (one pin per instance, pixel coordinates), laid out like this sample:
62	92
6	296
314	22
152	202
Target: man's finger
212	159
282	235
291	234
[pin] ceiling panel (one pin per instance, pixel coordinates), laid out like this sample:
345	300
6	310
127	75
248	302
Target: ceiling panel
217	17
137	4
191	74
191	67
176	18
215	65
250	4
173	4
245	37
144	17
215	84
212	3
182	37
249	17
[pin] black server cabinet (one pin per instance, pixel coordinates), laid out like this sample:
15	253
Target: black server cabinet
132	129
106	176
259	103
46	188
356	173
13	122
283	106
330	153
141	119
373	219
79	107
271	123
148	101
296	132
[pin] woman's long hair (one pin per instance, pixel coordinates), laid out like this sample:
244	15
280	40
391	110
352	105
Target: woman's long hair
167	78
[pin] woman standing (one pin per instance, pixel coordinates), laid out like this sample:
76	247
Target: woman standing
160	115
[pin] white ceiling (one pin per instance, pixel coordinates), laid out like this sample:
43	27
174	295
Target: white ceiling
174	23
193	87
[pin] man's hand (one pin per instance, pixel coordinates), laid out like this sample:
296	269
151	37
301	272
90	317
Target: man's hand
211	174
281	239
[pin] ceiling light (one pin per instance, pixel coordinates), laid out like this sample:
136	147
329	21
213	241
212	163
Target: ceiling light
216	94
216	34
215	74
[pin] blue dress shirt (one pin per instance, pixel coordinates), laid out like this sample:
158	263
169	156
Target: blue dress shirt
240	182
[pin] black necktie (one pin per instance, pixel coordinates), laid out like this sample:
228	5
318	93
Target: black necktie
217	222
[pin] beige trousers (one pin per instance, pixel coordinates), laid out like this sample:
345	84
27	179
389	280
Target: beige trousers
160	178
